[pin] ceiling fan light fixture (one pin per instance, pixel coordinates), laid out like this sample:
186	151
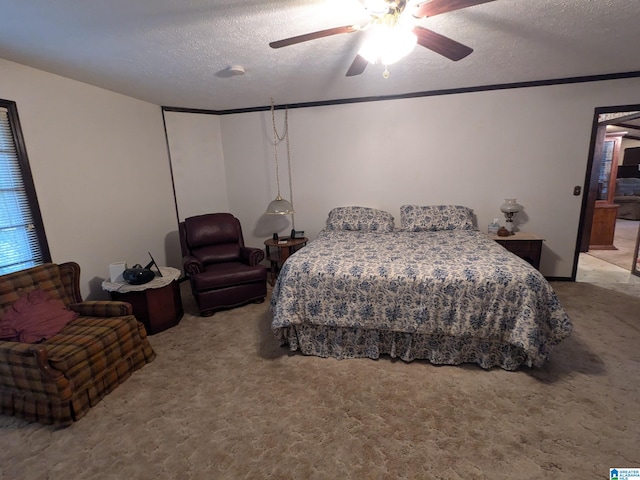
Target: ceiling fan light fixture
377	8
387	45
392	32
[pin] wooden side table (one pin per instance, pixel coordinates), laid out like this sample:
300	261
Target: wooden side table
157	304
279	250
525	245
603	227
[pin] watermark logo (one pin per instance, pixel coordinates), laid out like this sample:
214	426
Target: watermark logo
624	474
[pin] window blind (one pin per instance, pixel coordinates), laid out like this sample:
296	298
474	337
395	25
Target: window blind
19	241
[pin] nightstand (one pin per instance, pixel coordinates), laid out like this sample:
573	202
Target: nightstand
279	250
157	304
525	245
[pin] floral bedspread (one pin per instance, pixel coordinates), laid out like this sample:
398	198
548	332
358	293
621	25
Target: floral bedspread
446	296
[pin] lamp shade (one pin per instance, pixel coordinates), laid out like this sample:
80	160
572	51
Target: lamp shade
388	44
279	206
510	205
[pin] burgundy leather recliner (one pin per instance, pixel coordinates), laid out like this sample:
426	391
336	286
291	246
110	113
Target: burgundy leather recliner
222	271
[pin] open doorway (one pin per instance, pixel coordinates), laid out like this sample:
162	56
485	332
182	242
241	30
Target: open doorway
610	215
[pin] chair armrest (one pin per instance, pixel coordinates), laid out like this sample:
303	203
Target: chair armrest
192	266
102	308
251	256
27	369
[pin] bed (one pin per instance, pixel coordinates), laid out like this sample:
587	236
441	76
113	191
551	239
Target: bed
435	289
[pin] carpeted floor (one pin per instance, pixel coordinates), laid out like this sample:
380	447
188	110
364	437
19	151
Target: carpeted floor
625	241
224	401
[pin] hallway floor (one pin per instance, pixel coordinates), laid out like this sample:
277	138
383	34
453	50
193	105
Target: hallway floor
595	270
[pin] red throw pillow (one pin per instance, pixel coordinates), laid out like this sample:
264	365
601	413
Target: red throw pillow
34	317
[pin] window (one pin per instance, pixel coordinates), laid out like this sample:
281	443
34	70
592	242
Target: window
22	240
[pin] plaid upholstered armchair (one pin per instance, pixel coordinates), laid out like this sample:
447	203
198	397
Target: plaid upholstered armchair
54	378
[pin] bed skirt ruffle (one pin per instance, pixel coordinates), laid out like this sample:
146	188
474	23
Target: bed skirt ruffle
351	342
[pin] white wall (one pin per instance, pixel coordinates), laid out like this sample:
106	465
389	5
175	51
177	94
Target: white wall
101	172
473	149
197	163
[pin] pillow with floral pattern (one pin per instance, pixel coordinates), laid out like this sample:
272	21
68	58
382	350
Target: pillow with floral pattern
364	219
431	218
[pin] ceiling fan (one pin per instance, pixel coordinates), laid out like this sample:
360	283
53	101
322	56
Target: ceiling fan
393	34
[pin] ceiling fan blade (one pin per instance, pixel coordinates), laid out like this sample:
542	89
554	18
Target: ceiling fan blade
440	44
357	67
436	7
313	35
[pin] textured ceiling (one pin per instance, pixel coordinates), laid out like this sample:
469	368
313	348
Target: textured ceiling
176	53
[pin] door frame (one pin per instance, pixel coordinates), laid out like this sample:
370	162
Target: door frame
590	186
